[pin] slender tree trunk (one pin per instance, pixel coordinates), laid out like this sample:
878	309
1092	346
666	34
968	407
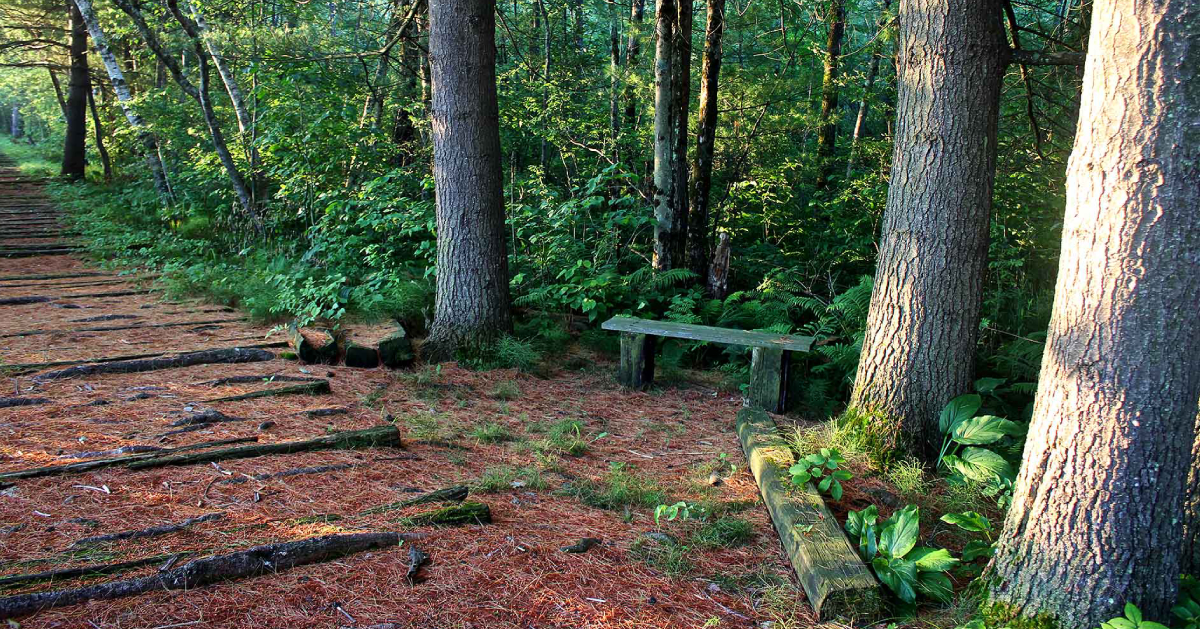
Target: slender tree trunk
614	68
827	131
545	19
919	349
17	128
116	76
472	305
632	51
682	84
74	161
58	93
868	87
99	131
666	212
706	136
1096	516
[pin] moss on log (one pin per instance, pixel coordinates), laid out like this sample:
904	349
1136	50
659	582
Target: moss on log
833	576
449	494
464	513
204	357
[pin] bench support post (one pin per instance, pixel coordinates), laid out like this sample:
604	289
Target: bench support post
768	379
637	360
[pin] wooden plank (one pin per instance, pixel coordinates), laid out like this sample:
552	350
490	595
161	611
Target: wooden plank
637	360
833	576
707	333
768	379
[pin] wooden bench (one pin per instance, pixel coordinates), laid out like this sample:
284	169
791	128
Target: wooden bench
770	357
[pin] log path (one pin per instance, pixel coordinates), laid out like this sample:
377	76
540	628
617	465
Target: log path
167	461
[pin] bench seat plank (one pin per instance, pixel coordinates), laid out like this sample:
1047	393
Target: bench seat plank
693	332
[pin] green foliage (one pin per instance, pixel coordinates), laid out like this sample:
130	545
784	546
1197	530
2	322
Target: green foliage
506	477
823	469
507	390
490	432
680	510
963	432
1131	620
619	488
725	532
1187	608
891	549
976	523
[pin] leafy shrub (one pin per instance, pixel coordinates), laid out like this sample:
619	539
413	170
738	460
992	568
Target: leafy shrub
963	432
822	468
891	549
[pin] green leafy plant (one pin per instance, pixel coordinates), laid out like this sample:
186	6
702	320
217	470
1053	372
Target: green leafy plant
963	434
1187	608
823	468
891	549
975	523
1132	620
680	510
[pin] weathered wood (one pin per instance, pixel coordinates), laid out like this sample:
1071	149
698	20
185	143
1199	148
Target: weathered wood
205	357
319	387
21	580
325	353
29	299
269	558
10	402
464	513
768	379
265	378
153	531
724	336
21	368
52	276
115	328
395	349
637	360
449	494
361	356
33	253
833	576
87	466
40	299
384	436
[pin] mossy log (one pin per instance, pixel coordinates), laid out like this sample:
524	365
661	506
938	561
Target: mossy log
23	368
153	531
21	580
266	559
10	402
464	513
320	387
449	494
204	357
33	253
88	466
833	576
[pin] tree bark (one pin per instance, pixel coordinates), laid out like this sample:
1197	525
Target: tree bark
74	161
666	210
105	160
868	87
472	303
706	132
682	84
58	93
632	51
614	68
827	131
125	97
1190	559
919	349
1096	516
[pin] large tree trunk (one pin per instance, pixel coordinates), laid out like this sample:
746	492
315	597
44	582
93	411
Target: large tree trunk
682	84
1096	517
125	97
666	210
74	160
472	305
706	136
827	131
868	87
919	349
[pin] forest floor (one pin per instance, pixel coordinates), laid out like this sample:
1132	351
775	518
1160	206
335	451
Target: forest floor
555	458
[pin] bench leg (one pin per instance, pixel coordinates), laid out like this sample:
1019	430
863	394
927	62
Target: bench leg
637	360
768	379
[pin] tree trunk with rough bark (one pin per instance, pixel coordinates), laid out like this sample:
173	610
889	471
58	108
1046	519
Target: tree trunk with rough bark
868	87
125	97
1190	559
472	304
706	132
632	51
827	131
682	84
74	161
1096	516
666	210
919	349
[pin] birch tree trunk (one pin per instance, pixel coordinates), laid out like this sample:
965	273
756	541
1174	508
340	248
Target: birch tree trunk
472	304
1096	517
706	132
919	348
125	98
665	113
74	161
827	131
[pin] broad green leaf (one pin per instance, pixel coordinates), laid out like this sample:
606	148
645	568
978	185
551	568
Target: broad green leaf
1133	613
842	475
801	478
858	521
935	585
815	459
824	484
836	494
932	559
982	430
899	575
976	549
899	538
1118	623
980	464
988	385
969	521
959	409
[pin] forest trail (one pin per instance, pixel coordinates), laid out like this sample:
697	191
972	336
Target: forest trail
501	433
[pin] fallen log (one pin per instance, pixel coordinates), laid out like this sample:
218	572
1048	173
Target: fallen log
153	531
465	513
268	378
299	471
20	301
383	436
449	494
107	317
52	276
830	570
251	562
23	368
416	559
20	580
320	387
33	253
10	402
41	299
204	357
114	328
87	466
